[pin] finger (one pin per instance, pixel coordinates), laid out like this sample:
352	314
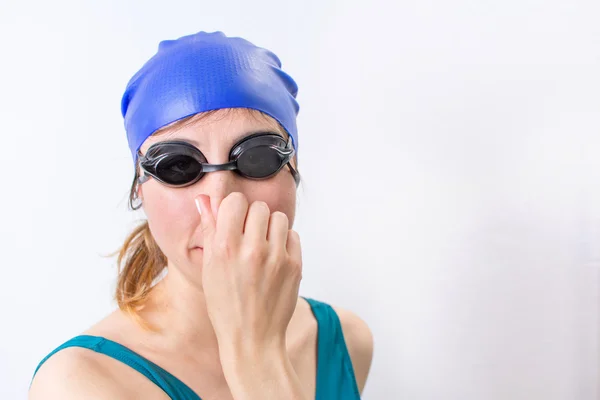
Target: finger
257	222
230	221
207	219
293	247
278	228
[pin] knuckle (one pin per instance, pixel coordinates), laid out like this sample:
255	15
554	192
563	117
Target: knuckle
279	257
255	254
289	266
296	267
223	248
295	263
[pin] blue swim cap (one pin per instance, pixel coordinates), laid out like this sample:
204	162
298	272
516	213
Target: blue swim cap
203	72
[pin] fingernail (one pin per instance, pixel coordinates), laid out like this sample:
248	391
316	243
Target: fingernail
198	206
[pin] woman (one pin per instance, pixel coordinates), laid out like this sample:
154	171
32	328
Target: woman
211	125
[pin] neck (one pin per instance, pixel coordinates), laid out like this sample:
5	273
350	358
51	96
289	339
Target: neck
177	308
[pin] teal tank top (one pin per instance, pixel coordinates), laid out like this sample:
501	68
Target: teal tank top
335	374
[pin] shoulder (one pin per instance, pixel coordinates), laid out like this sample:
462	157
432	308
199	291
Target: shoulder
73	373
359	340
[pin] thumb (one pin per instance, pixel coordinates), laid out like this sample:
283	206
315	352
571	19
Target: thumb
207	218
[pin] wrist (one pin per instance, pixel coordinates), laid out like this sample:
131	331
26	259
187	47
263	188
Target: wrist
255	371
244	352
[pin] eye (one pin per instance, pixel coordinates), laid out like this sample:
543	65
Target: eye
178	168
259	161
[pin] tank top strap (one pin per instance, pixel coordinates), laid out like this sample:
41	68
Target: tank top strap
171	385
335	373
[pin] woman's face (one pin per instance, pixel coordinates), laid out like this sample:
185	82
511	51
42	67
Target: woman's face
172	214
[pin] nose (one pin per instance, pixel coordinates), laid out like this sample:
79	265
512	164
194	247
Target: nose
217	185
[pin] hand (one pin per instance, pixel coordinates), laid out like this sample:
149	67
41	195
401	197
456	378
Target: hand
251	273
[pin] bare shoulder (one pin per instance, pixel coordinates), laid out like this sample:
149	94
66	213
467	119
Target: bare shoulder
359	340
73	373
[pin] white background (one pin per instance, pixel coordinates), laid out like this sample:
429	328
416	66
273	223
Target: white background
449	152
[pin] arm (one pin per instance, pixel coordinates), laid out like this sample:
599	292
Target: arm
251	272
359	340
254	373
70	375
268	374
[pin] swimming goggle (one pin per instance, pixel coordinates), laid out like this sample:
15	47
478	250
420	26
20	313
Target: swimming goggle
177	163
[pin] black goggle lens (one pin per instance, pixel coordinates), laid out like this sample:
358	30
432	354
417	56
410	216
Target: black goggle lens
259	162
178	169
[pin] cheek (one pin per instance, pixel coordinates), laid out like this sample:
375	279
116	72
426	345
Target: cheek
170	217
288	206
278	198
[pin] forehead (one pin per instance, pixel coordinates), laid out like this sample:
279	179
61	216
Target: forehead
215	128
